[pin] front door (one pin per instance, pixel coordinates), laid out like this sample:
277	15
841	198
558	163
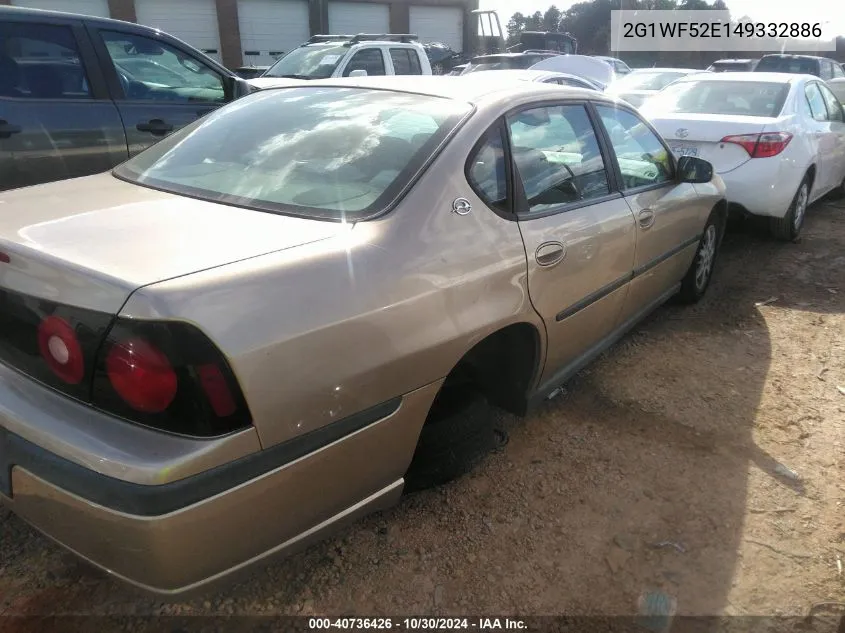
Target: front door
579	234
824	139
836	119
56	118
667	231
157	86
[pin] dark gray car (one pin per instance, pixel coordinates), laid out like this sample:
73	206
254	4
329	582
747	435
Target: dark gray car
79	95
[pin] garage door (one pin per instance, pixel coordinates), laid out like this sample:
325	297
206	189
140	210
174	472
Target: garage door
99	8
358	17
192	21
270	28
438	24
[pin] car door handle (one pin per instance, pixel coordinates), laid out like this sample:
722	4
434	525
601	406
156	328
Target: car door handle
549	254
7	129
645	219
155	126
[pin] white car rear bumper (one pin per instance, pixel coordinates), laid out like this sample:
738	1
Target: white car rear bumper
764	186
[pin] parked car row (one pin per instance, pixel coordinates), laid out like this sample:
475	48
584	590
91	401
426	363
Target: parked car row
293	308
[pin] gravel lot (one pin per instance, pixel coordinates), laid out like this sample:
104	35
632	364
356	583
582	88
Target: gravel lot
659	468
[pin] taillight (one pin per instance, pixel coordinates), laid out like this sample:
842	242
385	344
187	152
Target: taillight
60	349
142	375
763	145
170	376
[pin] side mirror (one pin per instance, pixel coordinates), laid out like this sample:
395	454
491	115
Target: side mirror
694	170
241	87
358	73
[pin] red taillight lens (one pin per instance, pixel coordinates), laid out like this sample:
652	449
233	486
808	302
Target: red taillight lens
141	375
214	385
762	145
61	350
167	375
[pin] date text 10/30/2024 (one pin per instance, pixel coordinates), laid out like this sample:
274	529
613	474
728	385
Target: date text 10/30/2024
417	624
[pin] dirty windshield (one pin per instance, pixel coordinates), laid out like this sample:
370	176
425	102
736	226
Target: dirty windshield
308	62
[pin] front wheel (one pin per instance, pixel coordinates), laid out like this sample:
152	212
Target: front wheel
788	228
697	279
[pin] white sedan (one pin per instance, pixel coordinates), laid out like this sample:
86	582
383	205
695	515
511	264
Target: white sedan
776	139
640	84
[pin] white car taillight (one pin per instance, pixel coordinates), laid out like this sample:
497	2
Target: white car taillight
762	145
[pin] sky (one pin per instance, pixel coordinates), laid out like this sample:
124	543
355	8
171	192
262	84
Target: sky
766	10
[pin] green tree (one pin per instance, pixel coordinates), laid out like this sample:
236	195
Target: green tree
551	19
514	27
534	22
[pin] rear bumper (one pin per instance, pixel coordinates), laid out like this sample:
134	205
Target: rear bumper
763	186
178	537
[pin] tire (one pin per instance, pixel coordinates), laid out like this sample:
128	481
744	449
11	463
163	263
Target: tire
456	436
788	228
695	283
437	68
839	192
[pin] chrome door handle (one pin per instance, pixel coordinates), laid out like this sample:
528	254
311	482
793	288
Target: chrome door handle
645	219
549	254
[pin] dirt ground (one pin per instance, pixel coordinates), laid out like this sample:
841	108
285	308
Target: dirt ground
661	467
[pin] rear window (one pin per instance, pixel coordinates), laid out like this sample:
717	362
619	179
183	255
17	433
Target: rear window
744	98
794	65
511	62
320	152
647	80
725	67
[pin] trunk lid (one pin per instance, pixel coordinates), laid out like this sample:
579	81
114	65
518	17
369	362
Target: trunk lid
700	135
90	242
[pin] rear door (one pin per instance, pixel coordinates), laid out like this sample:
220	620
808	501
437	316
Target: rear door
369	59
669	216
836	117
159	85
56	118
578	231
825	139
405	61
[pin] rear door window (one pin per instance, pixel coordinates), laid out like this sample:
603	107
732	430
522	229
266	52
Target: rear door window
367	59
557	157
41	61
834	108
815	100
405	61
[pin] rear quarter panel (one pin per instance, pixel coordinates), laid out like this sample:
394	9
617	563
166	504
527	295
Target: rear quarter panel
322	331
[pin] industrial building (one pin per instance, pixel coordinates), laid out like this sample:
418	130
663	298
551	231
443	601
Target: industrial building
256	32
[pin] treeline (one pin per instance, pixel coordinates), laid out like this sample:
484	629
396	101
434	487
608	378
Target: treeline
589	22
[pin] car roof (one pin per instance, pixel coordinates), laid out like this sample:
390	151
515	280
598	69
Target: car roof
792	56
497	55
667	70
461	88
523	74
731	60
49	13
780	78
